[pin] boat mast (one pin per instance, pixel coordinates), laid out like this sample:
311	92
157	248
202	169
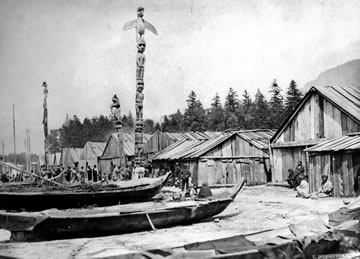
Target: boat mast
14	134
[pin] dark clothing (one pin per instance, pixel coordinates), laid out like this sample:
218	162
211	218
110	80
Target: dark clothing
95	175
89	173
185	174
185	184
300	169
68	175
205	192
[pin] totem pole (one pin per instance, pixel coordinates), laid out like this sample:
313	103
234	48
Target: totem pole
116	113
140	25
45	122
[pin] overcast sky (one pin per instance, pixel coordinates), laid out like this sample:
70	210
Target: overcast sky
78	47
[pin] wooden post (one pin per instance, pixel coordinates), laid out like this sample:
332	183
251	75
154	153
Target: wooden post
14	134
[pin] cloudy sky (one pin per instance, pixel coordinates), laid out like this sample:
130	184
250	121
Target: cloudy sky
78	47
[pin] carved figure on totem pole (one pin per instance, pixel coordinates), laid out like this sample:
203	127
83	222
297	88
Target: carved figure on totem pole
138	137
139	103
116	110
45	90
140	25
140	60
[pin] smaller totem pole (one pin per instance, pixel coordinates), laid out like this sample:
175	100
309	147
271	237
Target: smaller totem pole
116	114
45	122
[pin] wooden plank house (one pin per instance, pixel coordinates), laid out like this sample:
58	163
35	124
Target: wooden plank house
70	156
112	154
339	158
161	140
324	113
221	160
90	153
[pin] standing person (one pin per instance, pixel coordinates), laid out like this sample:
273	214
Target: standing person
82	175
185	176
176	173
75	176
89	173
95	174
68	175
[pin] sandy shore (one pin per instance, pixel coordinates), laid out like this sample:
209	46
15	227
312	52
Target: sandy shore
255	208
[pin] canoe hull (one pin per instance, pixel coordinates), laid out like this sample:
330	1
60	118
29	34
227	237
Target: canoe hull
64	200
78	227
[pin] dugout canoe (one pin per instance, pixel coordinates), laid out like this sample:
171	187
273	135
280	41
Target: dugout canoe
70	198
120	219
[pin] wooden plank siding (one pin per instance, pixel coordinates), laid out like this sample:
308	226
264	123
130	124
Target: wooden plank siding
317	119
157	142
226	167
343	169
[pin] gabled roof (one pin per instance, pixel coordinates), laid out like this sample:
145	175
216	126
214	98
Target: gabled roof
346	99
349	142
192	135
75	153
188	149
129	142
259	138
96	147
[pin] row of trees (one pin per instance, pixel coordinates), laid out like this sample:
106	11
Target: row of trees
236	113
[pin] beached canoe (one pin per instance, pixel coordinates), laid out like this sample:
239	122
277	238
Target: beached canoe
128	218
126	192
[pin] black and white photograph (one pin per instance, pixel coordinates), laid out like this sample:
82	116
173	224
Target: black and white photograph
168	129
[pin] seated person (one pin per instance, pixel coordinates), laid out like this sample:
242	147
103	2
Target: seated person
291	178
325	188
204	191
303	189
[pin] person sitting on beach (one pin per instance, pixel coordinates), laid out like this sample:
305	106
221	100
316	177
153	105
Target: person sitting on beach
325	188
204	191
303	189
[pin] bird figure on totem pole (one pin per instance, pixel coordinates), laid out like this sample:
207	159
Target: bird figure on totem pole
116	110
140	25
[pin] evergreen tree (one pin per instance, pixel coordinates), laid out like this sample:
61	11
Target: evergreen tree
194	116
261	113
176	123
276	105
232	109
246	117
293	97
231	101
149	126
216	115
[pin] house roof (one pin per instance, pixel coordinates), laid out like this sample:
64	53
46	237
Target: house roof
96	147
193	135
345	98
75	153
129	142
349	142
187	149
259	138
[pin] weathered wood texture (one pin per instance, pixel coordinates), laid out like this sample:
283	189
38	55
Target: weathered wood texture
317	119
343	169
157	142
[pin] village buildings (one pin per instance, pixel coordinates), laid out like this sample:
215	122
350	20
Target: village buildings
323	114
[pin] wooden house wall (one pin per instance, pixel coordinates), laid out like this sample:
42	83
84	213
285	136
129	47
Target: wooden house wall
343	169
88	157
286	158
158	141
105	165
233	165
318	118
67	159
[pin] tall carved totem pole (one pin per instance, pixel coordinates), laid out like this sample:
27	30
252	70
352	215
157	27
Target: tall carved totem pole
45	122
139	25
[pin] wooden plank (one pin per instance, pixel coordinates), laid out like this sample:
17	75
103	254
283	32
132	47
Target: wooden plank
351	177
321	117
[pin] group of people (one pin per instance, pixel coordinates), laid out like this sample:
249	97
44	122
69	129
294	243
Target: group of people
73	174
297	179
